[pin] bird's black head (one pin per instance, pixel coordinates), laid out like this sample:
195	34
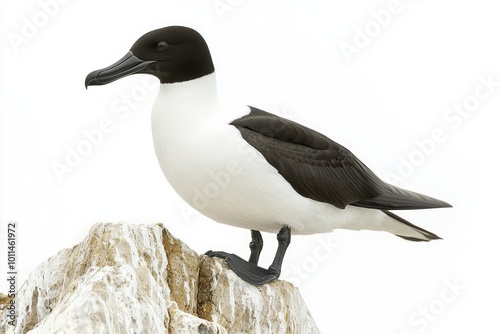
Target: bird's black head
172	54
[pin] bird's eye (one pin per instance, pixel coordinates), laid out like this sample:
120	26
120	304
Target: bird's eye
161	46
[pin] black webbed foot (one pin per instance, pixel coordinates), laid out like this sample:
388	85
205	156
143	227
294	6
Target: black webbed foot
249	271
245	270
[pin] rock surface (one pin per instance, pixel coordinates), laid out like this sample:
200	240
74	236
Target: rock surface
140	279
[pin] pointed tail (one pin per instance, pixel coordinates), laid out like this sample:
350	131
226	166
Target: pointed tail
395	198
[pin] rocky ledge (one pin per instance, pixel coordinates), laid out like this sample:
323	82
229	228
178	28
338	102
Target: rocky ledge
140	279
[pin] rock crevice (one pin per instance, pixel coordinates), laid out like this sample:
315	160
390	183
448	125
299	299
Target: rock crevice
141	279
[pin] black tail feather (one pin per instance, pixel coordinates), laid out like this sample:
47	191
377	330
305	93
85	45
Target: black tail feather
394	198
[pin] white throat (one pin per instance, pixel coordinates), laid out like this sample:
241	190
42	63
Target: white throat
189	101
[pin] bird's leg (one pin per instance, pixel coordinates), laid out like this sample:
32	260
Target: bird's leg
255	247
249	271
284	238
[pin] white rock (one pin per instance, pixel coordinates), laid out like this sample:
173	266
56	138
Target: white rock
140	279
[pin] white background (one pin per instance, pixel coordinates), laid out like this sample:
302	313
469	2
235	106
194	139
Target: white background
286	57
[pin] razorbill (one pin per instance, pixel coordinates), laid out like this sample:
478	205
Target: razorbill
245	167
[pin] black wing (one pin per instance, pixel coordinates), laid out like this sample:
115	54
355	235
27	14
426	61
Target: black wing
320	169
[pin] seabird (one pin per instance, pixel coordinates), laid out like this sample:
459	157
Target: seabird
245	167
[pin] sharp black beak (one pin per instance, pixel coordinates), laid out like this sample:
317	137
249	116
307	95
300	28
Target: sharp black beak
128	64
